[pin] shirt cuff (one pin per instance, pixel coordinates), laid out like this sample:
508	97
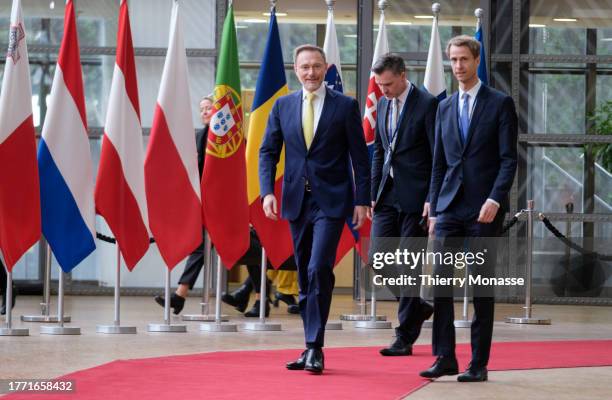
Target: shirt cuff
493	202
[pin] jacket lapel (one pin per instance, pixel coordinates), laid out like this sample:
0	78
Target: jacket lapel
481	98
296	123
411	100
384	135
455	118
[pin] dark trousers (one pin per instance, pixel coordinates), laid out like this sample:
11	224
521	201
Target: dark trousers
315	241
3	278
390	222
457	223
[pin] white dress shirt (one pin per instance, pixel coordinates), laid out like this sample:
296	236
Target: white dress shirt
317	105
400	101
472	92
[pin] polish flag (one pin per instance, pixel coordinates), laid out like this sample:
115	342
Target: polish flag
64	159
120	188
172	179
19	189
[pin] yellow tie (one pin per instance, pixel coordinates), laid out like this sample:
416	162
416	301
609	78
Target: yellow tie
308	120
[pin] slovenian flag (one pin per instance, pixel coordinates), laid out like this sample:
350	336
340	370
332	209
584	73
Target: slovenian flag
64	159
19	189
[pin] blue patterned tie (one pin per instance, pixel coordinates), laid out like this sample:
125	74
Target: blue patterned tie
465	117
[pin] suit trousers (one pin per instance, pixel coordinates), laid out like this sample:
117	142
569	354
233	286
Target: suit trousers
390	222
452	226
315	241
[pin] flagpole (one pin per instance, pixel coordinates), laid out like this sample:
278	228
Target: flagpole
218	325
262	325
9	330
363	302
60	329
205	316
116	327
167	326
46	303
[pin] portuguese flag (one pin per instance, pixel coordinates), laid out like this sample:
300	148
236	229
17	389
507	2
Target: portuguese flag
224	188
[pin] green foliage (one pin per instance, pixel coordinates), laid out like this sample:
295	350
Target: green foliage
602	125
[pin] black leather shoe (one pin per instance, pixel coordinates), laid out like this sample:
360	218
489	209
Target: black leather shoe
285	298
314	361
239	299
254	311
293	309
399	347
299	363
176	302
13	297
474	375
442	366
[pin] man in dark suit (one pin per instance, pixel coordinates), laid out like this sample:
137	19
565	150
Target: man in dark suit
401	171
322	136
473	169
195	261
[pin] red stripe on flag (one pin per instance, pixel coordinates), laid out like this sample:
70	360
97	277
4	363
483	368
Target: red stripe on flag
174	208
69	61
125	57
117	204
347	242
275	236
19	193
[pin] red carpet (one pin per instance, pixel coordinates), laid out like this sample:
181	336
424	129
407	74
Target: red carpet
351	372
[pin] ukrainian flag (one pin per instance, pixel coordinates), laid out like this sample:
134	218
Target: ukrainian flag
275	236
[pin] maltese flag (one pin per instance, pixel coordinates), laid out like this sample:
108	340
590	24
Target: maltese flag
172	180
19	189
120	190
64	159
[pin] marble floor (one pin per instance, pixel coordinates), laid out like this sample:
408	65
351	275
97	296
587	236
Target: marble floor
43	356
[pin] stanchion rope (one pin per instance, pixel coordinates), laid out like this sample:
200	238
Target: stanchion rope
109	239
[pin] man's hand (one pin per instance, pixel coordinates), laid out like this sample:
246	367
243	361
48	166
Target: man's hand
270	207
359	216
425	214
488	211
431	223
370	213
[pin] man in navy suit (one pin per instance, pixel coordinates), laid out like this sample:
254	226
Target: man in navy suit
401	172
473	169
324	146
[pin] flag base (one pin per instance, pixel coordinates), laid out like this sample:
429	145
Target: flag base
463	323
60	330
361	317
204	317
167	328
43	318
428	324
218	327
115	329
333	326
528	320
373	324
261	326
14	332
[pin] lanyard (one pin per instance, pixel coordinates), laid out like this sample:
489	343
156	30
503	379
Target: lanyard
399	120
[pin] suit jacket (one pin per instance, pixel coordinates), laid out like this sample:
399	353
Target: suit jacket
338	142
201	137
486	164
412	156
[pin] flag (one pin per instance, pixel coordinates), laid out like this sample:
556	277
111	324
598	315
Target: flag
333	80
171	166
482	67
434	81
224	183
120	191
19	188
275	236
64	159
369	119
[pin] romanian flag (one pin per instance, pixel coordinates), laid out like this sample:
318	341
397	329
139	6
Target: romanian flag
275	236
224	183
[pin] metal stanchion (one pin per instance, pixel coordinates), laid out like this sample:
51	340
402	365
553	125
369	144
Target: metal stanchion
8	330
363	302
60	329
373	322
464	322
205	316
116	327
218	325
262	325
46	303
528	318
167	326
